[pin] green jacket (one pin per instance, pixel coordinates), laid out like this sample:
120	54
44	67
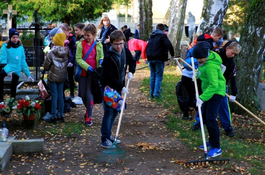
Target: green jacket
210	73
79	55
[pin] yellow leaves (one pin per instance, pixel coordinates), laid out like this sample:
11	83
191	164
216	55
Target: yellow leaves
147	146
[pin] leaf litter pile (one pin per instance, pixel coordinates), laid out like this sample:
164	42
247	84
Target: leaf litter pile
72	147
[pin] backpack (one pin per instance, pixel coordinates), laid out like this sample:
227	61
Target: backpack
96	85
182	95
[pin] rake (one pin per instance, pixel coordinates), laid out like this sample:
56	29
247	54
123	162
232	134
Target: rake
206	160
114	155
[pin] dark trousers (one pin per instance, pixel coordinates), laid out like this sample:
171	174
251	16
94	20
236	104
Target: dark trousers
210	111
14	83
189	86
137	55
70	73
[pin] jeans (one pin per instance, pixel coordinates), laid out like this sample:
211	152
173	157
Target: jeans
109	117
57	95
137	55
189	86
156	76
210	111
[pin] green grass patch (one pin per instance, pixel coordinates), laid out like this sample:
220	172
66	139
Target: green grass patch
245	151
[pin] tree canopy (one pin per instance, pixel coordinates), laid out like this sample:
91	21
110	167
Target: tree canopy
70	11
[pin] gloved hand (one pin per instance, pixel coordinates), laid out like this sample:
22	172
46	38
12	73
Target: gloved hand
100	62
124	90
90	69
130	76
10	74
232	98
199	102
30	79
70	64
120	102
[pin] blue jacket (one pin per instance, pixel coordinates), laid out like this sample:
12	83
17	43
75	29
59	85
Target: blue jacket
15	60
188	60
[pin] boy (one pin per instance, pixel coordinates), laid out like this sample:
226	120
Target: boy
227	53
216	35
115	63
213	90
157	53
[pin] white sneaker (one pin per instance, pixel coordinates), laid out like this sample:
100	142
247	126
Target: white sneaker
78	100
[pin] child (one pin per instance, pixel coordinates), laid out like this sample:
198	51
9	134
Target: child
56	63
93	61
79	27
70	43
115	63
157	53
213	90
13	60
216	35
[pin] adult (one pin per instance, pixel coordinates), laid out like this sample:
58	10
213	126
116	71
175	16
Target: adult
105	29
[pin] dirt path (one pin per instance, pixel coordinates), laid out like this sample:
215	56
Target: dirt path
143	133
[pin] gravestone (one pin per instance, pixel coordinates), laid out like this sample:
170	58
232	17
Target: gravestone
191	24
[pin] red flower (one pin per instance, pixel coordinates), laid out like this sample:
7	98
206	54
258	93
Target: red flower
19	106
26	103
37	106
2	106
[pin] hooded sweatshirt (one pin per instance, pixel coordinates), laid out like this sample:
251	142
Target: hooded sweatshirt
210	73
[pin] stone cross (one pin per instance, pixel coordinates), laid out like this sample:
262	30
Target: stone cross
9	13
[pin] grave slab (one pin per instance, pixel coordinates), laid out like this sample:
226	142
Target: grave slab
28	146
6	151
261	95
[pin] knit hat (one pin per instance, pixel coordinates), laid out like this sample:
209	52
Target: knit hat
53	31
58	39
201	49
12	32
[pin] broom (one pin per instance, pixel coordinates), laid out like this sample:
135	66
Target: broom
206	160
114	154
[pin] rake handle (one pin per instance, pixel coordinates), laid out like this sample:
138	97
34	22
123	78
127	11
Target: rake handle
122	109
236	102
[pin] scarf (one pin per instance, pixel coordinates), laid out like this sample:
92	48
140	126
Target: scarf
121	61
103	38
15	45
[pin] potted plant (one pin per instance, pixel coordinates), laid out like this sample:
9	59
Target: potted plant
28	108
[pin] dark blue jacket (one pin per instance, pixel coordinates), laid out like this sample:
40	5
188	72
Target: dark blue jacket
158	46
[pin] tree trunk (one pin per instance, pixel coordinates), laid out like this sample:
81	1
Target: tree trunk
176	21
213	13
249	61
146	21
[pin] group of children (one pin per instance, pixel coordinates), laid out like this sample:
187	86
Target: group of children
215	68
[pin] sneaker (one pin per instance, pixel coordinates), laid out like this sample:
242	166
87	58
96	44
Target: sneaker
229	132
196	127
208	145
60	119
89	121
186	118
112	140
214	152
106	144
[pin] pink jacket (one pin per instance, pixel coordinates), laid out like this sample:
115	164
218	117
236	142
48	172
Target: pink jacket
137	44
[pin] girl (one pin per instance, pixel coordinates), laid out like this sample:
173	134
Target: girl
70	43
79	27
94	60
56	63
13	61
105	29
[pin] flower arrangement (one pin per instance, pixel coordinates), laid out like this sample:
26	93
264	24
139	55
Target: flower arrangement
28	106
6	106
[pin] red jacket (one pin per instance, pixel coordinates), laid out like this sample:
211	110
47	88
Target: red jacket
137	44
